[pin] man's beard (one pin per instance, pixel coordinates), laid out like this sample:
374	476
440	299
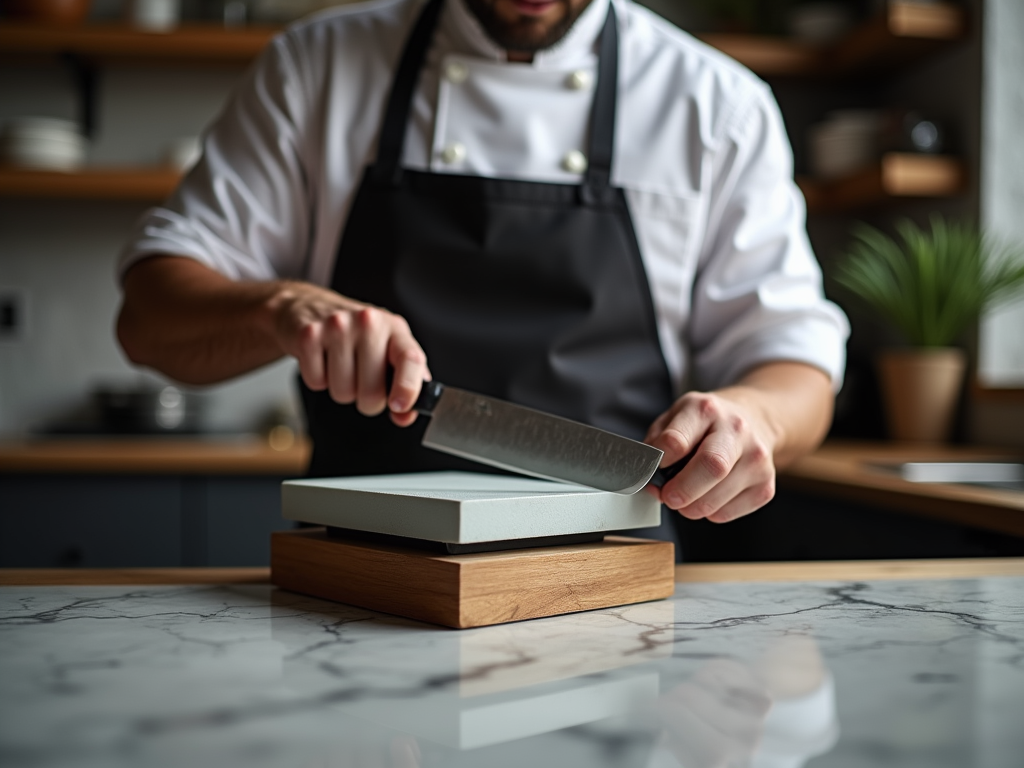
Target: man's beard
528	35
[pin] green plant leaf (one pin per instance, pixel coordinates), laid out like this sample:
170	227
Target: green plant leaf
932	285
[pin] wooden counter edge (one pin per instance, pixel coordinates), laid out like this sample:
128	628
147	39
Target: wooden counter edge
852	471
693	573
851	570
50	577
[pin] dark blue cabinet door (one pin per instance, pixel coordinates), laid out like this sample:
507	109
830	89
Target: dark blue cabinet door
118	521
53	521
241	513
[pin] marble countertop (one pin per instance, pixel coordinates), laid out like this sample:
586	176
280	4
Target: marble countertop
762	674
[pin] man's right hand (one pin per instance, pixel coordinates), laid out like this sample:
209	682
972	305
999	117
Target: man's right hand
200	327
346	347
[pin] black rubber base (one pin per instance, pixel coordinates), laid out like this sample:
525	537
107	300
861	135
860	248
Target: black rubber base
451	548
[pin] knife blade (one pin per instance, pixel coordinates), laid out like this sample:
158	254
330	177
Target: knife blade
509	436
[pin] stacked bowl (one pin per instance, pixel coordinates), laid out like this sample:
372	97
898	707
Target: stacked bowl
845	142
42	143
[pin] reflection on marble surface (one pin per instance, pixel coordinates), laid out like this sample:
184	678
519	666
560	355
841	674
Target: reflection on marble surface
924	673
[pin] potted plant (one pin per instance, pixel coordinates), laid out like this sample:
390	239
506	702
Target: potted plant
931	286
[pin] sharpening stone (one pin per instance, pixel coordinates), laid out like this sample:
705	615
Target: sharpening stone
464	507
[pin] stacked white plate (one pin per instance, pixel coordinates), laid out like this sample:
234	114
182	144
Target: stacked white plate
846	142
44	143
821	22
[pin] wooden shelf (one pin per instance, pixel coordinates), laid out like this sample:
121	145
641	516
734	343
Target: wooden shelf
768	56
188	43
153	455
145	184
904	33
896	175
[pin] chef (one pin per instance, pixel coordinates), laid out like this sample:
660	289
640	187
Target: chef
569	204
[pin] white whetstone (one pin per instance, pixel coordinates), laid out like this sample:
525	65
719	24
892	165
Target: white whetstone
464	507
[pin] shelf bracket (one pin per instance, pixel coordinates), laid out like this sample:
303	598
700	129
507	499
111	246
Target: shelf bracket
85	75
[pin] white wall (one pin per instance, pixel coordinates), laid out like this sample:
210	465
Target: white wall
1001	342
1001	361
62	253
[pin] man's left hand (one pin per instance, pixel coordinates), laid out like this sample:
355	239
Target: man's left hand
737	436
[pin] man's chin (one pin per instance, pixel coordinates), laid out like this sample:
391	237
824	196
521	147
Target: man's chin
527	36
523	25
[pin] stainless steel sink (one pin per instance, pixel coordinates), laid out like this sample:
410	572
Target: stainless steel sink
1006	475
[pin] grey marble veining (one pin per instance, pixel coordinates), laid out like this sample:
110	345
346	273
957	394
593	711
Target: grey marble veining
927	673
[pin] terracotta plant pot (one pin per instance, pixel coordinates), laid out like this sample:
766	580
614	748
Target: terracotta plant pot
59	12
921	388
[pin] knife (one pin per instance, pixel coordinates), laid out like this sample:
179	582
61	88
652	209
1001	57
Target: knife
525	440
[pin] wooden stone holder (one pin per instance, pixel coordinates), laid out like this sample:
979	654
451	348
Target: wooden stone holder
473	590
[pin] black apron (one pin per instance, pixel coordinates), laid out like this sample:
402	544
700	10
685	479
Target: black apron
530	292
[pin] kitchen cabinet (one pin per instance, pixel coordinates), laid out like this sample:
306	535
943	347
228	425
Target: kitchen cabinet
847	501
136	521
66	521
105	503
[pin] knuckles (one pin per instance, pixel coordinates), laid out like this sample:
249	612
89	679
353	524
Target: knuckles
307	333
701	510
369	319
764	493
400	323
371	406
715	464
338	324
684	501
708	407
758	454
411	356
673	442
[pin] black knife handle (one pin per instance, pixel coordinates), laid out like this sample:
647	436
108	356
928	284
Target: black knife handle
430	393
664	474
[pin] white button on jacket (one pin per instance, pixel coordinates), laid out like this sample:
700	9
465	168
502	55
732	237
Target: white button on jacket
574	161
456	72
700	150
579	80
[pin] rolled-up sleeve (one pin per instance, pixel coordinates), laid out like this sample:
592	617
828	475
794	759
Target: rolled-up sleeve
244	209
758	293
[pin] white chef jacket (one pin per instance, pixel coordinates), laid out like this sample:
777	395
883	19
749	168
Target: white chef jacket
700	150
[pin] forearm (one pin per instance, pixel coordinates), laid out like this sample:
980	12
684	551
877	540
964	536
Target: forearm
200	327
794	400
195	325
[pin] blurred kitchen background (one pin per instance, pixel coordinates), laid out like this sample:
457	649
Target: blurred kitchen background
898	108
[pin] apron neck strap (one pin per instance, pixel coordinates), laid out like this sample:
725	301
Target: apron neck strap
596	181
387	169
